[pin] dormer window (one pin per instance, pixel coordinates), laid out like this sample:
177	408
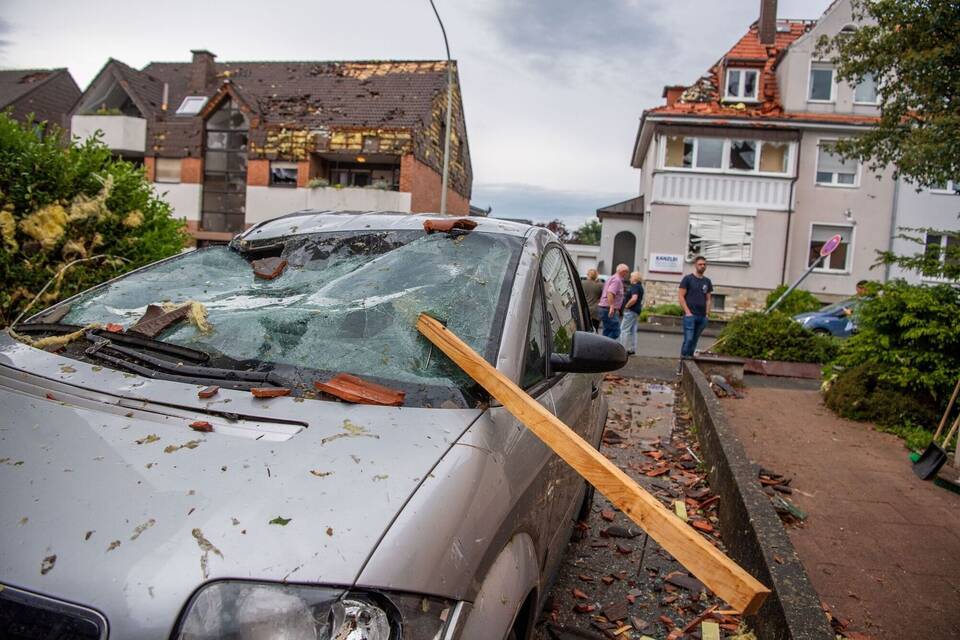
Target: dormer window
741	84
191	105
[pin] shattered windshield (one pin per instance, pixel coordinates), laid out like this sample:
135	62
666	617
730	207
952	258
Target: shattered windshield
345	302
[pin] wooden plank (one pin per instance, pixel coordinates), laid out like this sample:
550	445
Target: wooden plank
718	572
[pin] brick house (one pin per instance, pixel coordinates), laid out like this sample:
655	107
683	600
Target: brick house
738	167
48	94
230	144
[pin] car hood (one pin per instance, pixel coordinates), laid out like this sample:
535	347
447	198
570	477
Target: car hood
111	500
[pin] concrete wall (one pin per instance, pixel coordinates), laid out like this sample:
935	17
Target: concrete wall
870	204
918	209
793	73
123	134
183	198
264	203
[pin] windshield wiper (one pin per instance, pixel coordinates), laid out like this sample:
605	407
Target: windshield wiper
176	371
133	339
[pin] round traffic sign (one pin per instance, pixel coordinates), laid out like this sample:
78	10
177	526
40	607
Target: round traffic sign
830	246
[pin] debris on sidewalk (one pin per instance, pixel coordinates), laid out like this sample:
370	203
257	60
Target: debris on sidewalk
722	388
775	486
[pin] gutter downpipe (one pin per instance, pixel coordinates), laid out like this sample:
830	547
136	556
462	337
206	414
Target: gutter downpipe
893	227
786	237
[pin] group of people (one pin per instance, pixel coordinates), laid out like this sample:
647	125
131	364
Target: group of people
616	304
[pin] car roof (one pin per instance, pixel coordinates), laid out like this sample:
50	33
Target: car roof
315	221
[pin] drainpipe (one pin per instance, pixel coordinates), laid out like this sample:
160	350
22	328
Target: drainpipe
786	237
446	141
893	229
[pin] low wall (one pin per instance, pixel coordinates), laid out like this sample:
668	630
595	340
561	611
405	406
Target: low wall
751	530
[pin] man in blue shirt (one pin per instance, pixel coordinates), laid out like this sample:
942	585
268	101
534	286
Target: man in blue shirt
695	290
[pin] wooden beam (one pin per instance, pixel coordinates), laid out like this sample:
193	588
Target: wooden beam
718	572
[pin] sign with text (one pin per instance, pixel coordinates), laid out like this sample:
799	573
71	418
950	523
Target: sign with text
666	263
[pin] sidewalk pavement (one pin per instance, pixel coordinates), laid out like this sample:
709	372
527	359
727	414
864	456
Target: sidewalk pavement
882	547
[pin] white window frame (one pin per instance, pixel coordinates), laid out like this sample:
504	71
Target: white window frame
834	184
848	267
725	158
156	171
952	188
876	91
722	212
742	82
943	245
833	82
181	110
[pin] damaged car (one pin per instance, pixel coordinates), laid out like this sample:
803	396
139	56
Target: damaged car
253	441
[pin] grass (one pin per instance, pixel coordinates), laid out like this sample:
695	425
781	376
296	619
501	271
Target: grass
915	438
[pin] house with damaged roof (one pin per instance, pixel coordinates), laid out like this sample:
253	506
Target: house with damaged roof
46	94
738	167
229	144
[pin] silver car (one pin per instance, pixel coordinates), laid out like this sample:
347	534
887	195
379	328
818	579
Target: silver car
133	507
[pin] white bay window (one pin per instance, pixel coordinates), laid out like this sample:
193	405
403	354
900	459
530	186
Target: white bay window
724	155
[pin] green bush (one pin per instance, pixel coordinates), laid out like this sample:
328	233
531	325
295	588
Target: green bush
798	301
665	309
775	336
859	393
911	336
62	202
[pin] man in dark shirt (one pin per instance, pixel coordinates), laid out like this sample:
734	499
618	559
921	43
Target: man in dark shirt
592	288
695	290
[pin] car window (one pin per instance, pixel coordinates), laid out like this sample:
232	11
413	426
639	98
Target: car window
347	301
535	354
560	293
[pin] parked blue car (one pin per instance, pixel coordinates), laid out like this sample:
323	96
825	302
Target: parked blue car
833	319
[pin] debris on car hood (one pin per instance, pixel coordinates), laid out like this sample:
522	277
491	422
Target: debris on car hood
355	389
446	225
268	268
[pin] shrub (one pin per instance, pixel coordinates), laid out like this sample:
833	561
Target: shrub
665	309
911	334
798	301
60	203
859	393
318	183
773	336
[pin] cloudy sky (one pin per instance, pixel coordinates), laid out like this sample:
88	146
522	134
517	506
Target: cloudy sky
553	89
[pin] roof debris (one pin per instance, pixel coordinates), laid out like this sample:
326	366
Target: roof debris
355	389
269	392
206	547
268	268
46	566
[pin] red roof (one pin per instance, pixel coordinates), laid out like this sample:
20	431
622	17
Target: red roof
704	96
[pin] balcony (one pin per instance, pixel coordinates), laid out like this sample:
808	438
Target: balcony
125	135
753	192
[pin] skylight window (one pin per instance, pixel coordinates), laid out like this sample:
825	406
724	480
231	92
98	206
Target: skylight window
191	105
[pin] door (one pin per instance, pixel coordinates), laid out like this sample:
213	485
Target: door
225	170
624	250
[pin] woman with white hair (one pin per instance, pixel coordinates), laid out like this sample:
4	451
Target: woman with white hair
633	303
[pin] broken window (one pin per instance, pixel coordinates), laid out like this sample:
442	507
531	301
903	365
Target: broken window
721	238
371	144
679	152
743	154
283	174
775	157
821	82
741	84
834	170
839	260
167	170
560	295
709	153
347	302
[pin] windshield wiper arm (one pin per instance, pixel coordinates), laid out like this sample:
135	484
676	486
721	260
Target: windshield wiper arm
185	353
176	371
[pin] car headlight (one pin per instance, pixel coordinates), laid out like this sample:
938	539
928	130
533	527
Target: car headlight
261	611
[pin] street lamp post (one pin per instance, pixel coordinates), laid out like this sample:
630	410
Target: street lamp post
446	137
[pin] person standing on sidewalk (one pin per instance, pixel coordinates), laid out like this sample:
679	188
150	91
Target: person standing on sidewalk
695	290
610	302
592	288
631	312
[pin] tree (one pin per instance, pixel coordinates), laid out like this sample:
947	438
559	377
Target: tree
558	228
71	204
912	50
588	233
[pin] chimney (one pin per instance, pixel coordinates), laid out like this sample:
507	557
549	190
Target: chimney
767	24
672	93
203	72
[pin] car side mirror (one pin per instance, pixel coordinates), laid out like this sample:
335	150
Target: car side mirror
590	353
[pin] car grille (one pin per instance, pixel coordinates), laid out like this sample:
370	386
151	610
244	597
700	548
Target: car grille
27	616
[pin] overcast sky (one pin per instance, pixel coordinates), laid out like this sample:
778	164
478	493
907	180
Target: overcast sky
553	89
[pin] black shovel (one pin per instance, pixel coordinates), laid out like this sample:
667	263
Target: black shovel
929	463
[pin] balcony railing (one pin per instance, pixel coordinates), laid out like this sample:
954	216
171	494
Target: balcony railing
122	134
716	189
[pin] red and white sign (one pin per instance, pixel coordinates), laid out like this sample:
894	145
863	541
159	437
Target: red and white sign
830	245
